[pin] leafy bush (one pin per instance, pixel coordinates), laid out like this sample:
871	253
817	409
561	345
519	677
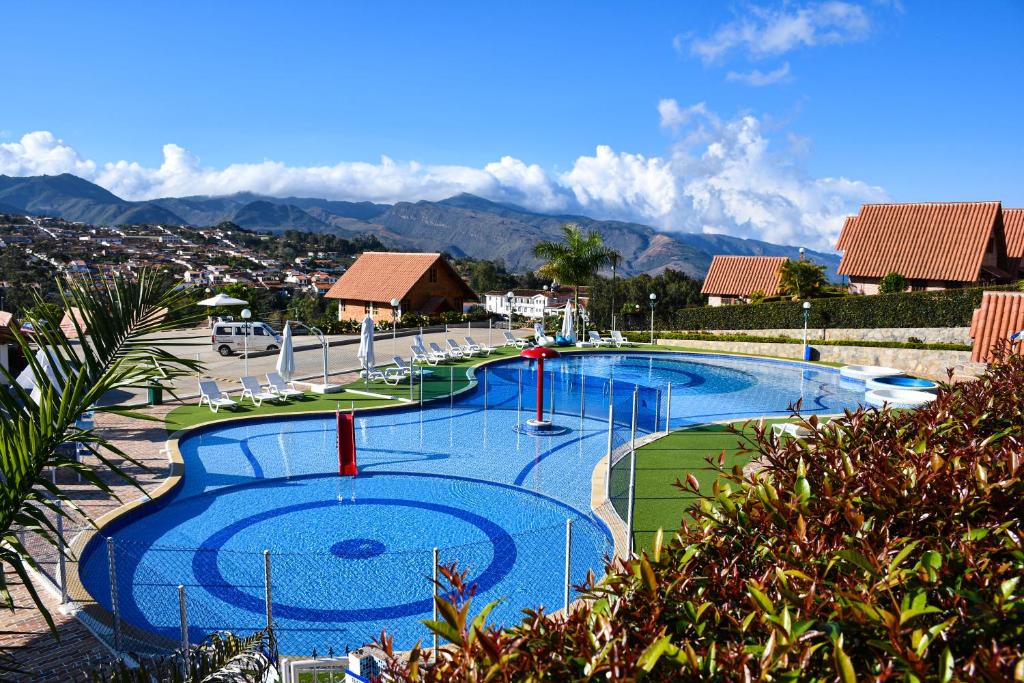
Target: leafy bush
892	283
644	338
451	317
887	545
949	308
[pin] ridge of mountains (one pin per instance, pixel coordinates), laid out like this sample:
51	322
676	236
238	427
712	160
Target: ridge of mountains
463	225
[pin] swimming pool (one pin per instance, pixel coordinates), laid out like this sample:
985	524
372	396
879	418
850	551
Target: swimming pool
351	556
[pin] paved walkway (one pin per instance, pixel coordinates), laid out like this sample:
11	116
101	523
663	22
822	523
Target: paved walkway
24	630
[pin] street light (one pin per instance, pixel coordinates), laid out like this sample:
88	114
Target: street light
508	298
613	292
246	314
807	317
654	300
395	307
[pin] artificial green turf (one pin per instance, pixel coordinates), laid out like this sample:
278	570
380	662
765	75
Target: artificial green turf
659	503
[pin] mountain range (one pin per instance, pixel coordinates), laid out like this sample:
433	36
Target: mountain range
463	225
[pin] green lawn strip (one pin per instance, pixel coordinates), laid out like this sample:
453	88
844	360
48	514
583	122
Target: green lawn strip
659	504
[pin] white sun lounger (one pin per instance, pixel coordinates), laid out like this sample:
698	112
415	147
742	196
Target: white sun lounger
454	350
511	340
420	355
283	389
597	340
256	392
479	348
795	429
619	340
211	394
437	353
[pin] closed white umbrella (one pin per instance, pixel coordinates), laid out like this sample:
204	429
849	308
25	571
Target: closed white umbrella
365	355
286	357
567	323
222	300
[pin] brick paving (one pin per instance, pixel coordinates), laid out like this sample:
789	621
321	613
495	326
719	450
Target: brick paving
24	631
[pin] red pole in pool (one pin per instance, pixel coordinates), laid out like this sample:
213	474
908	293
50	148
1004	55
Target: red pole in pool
540	389
539	353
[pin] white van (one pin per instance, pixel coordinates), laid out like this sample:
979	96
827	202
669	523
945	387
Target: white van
230	337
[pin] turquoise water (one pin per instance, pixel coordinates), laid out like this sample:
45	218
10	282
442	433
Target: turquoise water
350	556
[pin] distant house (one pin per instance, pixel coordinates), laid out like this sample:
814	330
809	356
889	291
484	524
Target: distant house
732	279
532	303
10	352
939	245
1013	226
422	283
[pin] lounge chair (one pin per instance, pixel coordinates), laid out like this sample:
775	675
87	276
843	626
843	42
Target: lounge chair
511	340
796	430
454	350
283	389
621	341
597	340
211	394
256	392
437	353
479	348
401	371
420	355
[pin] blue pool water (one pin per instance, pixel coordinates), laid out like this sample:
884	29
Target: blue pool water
351	556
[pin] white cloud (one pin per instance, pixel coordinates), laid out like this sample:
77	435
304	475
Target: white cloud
673	116
718	176
759	78
767	32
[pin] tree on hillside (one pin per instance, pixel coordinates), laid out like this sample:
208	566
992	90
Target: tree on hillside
575	260
802	279
675	290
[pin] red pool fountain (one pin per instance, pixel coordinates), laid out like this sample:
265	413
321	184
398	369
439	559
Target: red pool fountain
539	425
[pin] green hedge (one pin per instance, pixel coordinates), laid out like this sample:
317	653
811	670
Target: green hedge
644	337
948	308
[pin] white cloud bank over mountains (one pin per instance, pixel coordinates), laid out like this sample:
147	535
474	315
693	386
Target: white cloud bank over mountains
718	176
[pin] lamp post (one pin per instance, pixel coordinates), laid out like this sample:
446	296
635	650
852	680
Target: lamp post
508	299
544	306
807	317
654	300
246	314
395	313
613	293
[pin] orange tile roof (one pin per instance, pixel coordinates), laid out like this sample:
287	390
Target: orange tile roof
7	323
934	241
1013	225
743	275
385	275
845	233
1001	314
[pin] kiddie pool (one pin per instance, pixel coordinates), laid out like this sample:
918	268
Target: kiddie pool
901	382
352	556
898	398
866	372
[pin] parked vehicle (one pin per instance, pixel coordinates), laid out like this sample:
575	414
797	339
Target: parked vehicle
228	338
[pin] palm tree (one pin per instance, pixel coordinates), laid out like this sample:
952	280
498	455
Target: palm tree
575	260
38	427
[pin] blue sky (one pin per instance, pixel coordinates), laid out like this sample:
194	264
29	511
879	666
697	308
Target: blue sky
759	119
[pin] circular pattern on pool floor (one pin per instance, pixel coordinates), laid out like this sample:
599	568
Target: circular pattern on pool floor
358	549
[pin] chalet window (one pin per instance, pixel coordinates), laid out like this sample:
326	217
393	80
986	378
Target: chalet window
432	275
366	308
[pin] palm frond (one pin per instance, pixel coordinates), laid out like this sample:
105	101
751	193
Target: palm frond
116	349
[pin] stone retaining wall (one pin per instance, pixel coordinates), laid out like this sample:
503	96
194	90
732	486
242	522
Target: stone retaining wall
923	363
929	335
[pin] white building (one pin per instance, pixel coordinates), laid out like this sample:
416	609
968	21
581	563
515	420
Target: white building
529	303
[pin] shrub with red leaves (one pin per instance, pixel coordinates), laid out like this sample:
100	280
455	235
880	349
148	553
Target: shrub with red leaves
886	546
